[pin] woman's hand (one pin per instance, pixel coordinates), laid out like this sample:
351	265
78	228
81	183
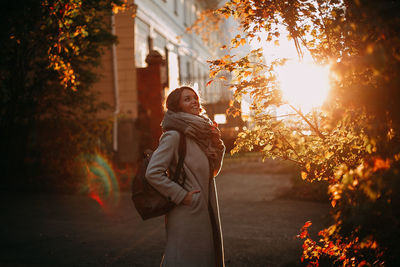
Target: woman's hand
189	196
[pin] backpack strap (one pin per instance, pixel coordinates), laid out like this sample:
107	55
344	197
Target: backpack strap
182	154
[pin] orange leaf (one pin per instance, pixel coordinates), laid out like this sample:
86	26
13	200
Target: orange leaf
307	224
363	263
380	164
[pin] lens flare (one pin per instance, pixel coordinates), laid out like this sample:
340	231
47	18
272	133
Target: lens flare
102	183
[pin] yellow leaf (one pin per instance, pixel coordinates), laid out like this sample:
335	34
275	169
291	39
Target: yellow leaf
268	147
328	154
308	166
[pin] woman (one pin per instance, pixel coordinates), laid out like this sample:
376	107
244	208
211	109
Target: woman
193	226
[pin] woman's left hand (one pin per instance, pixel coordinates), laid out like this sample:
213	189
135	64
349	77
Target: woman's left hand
189	197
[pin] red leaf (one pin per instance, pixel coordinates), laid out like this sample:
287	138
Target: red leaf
307	224
363	263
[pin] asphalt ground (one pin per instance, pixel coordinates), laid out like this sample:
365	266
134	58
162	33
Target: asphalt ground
259	225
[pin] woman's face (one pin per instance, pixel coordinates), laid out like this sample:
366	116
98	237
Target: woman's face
189	102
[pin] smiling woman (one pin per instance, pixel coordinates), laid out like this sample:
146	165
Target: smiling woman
189	101
192	225
304	85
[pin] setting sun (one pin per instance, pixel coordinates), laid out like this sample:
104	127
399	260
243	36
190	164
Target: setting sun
304	85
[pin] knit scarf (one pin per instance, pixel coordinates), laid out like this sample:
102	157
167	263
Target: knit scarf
197	127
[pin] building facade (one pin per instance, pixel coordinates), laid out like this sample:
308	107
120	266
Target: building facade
161	25
117	85
154	55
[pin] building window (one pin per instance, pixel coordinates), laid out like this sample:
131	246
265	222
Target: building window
199	80
142	31
185	13
196	12
159	43
188	75
176	7
173	68
180	69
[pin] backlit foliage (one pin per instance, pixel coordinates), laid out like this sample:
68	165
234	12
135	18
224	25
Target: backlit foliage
72	19
50	51
63	13
352	141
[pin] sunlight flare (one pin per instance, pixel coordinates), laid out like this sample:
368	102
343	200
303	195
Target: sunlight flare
304	85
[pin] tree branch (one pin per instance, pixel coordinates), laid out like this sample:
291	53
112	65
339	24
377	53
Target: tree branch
291	147
308	122
324	27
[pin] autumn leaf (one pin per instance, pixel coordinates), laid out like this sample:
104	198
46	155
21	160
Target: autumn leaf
268	147
307	224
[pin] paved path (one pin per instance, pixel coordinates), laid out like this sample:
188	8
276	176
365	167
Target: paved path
69	230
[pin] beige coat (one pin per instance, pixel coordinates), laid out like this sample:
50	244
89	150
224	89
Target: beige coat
194	236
